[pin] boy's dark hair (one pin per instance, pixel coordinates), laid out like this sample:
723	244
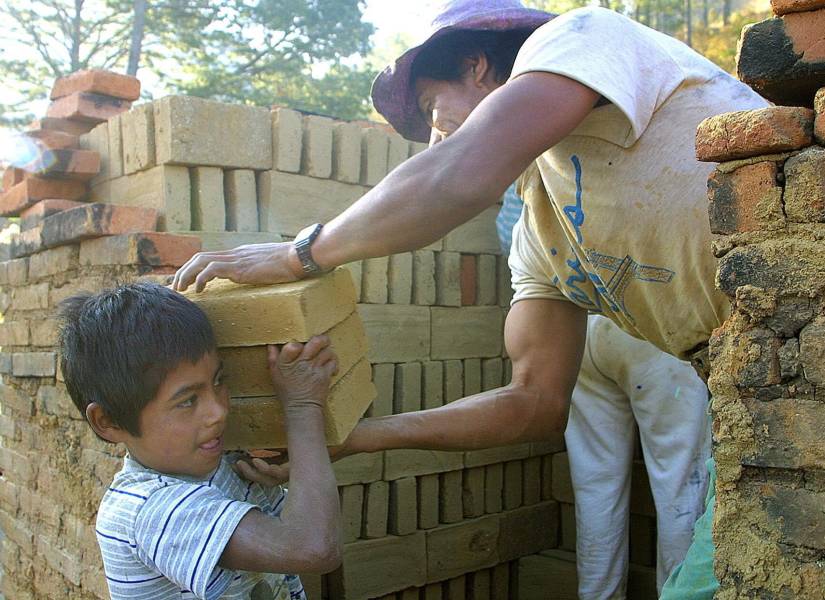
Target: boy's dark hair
118	345
443	59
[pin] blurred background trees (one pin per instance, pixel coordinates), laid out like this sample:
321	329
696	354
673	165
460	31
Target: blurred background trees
314	55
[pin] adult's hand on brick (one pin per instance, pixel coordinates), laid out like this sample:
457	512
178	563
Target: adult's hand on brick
301	373
254	263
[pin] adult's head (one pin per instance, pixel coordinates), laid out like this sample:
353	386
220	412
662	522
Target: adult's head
468	51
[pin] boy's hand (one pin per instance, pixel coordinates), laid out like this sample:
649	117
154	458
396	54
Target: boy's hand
301	372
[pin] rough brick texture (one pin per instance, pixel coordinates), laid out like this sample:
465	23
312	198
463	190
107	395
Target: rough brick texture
145	249
746	199
95	220
64	125
819	123
185	134
33	189
805	186
784	58
781	7
36	213
244	315
95	81
89	108
248	370
53	139
66	163
741	134
259	422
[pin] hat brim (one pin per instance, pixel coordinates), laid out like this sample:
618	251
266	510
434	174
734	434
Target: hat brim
392	93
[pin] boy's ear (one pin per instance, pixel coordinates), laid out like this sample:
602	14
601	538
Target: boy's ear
103	425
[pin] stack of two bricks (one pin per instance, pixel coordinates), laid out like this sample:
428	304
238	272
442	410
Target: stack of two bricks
247	318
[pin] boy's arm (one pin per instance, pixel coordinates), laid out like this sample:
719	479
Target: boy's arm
306	538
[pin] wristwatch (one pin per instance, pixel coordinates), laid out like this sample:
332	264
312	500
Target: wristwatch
303	247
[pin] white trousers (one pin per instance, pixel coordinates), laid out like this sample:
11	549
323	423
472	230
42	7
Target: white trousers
622	380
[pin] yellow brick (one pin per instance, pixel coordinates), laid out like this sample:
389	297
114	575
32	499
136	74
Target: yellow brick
247	369
245	315
259	422
138	131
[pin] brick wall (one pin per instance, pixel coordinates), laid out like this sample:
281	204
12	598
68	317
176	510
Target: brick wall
767	203
418	524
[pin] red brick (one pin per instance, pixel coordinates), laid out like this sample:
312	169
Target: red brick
79	165
65	125
784	58
97	82
748	199
95	220
90	108
152	249
27	242
746	133
469	276
53	139
33	189
819	124
11	177
37	212
781	7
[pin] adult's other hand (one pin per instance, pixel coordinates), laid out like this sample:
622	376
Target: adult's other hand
253	263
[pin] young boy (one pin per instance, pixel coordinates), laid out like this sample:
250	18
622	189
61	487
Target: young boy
140	363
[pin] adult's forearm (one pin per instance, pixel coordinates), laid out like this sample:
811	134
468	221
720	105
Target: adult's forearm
417	204
498	417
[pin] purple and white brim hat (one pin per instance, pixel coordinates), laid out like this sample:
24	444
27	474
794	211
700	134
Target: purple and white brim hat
392	93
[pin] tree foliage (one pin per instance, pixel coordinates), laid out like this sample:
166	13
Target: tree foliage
711	27
254	51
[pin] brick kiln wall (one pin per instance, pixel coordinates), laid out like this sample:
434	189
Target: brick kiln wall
191	173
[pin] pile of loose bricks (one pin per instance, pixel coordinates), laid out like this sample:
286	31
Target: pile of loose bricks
179	174
767	204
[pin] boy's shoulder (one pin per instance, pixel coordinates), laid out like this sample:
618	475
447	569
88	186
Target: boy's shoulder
135	484
148	520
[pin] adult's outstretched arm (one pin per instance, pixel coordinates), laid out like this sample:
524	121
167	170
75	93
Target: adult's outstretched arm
428	195
545	340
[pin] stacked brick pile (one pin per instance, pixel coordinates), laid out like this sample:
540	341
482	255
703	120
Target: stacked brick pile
767	203
247	318
784	58
54	167
418	524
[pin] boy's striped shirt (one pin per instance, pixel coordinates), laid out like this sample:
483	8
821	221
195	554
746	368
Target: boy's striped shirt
161	536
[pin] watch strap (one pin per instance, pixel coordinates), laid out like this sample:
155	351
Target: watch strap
303	248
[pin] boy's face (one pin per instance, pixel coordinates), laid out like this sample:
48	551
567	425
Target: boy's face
182	427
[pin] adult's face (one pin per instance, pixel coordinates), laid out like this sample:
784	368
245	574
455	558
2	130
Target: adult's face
447	104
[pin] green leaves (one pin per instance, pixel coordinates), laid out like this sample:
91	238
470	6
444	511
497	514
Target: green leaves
303	53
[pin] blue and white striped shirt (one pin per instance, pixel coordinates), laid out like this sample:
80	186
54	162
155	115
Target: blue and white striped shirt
161	536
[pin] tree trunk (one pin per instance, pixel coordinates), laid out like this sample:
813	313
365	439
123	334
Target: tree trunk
705	14
726	12
137	37
688	23
76	34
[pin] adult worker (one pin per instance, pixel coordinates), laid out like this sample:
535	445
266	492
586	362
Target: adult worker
625	383
599	113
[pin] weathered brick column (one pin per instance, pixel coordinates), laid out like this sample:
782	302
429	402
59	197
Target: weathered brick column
767	203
